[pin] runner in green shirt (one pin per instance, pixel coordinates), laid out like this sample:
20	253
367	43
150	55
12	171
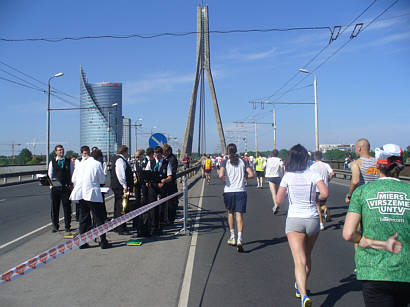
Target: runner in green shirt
383	256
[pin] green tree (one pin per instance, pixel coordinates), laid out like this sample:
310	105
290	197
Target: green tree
71	153
24	156
35	160
283	154
334	155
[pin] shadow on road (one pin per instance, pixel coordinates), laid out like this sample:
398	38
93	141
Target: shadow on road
264	243
349	284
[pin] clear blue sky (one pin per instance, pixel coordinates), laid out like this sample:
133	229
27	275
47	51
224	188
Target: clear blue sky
363	91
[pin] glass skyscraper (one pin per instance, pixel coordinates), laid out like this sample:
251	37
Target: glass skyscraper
100	121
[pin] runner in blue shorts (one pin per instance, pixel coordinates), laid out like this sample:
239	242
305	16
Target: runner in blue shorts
233	171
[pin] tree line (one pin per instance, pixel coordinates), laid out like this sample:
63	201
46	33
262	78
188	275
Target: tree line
25	157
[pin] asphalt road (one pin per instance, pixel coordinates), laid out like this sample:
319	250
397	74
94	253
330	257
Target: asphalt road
23	208
151	275
263	275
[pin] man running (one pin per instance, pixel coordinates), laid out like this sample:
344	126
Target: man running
364	170
274	173
326	173
260	165
208	169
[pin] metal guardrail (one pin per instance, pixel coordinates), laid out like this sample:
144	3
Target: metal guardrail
4	178
347	175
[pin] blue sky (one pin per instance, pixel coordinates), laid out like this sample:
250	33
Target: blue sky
363	90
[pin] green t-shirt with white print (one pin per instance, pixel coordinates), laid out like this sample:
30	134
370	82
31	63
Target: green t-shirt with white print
384	206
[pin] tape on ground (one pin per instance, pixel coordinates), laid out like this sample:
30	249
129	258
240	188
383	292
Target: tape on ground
62	249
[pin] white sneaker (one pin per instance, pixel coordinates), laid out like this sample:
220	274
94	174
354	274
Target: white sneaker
322	227
239	246
232	241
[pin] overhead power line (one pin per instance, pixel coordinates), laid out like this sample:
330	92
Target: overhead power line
126	36
344	45
55	90
315	57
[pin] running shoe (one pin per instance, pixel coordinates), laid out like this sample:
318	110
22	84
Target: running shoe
275	209
232	241
306	301
297	290
239	246
322	227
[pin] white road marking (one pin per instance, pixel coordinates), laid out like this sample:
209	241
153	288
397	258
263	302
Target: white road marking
2	200
38	229
27	234
186	284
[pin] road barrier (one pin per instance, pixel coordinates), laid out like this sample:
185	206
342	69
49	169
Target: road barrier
64	248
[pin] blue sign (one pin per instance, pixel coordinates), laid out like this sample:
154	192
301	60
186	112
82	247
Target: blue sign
157	139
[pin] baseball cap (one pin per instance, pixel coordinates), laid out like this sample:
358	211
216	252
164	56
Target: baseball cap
386	152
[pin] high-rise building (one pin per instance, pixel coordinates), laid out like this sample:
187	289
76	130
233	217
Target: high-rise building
101	114
126	132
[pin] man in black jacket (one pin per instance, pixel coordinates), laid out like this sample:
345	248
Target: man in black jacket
121	182
170	183
60	171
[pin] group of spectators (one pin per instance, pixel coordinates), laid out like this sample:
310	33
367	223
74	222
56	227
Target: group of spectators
145	179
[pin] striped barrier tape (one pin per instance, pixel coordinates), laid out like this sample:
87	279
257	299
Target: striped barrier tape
68	246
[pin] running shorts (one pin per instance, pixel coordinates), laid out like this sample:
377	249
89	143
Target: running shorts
259	174
275	180
208	171
235	201
309	226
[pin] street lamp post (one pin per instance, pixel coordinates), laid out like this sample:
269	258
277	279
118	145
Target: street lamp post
136	132
114	105
48	118
316	108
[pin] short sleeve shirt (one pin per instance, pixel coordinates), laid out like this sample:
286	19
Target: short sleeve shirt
234	176
273	167
323	169
384	206
301	187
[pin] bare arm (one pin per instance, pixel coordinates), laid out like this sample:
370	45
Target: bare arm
281	196
323	190
250	172
221	173
355	180
351	234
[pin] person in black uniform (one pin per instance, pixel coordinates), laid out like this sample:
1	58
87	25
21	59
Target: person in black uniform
121	182
170	183
60	171
156	191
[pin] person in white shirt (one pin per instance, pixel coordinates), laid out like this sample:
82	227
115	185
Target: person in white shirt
87	178
273	174
326	173
233	171
302	224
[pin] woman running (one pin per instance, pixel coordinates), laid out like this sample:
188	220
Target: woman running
233	171
302	224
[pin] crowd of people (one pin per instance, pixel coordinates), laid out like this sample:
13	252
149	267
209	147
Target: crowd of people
377	221
140	181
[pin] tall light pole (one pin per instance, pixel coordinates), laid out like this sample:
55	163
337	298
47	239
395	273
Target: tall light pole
114	105
136	131
316	109
274	127
48	118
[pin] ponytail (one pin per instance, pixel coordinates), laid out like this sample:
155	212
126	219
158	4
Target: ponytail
233	157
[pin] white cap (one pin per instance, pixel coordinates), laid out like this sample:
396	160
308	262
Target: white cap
387	151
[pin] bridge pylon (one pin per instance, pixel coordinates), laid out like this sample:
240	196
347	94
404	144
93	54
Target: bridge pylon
202	65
